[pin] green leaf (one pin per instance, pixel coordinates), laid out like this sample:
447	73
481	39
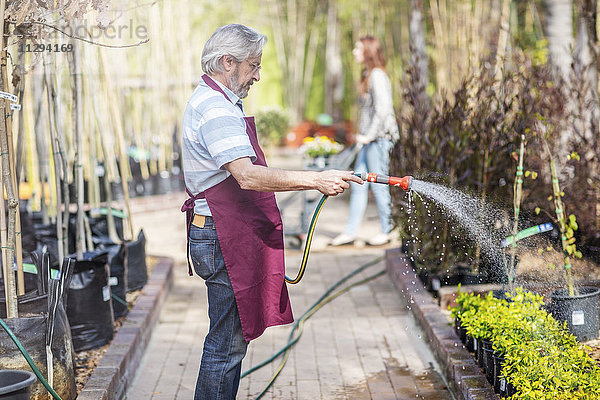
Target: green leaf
574	226
527	173
534	175
537	210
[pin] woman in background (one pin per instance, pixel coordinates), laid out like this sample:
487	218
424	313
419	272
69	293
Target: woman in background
376	132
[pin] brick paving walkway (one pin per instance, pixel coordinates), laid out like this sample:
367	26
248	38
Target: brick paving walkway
362	345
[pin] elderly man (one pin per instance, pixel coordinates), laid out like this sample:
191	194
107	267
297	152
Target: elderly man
234	226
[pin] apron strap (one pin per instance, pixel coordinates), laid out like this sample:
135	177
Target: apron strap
188	209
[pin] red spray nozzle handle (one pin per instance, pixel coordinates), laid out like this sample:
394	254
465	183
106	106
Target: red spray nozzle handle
404	182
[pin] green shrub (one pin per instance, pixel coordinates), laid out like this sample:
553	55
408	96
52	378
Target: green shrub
272	125
543	361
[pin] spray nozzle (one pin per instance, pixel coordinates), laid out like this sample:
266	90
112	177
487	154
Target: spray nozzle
405	182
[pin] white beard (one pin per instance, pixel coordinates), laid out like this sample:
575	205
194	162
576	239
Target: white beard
240	89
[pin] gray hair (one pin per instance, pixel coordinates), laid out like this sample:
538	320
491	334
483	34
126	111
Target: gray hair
235	40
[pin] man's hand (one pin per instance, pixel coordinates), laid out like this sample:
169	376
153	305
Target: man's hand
333	182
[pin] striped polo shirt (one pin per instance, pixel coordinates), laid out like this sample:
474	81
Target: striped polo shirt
213	134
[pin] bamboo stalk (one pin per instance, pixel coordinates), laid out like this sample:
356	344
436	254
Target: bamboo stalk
77	112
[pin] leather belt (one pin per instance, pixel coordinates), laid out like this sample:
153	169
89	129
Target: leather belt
199	220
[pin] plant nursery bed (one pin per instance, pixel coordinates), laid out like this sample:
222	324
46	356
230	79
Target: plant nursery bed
105	373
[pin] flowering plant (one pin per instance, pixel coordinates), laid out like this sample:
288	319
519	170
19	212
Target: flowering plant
320	146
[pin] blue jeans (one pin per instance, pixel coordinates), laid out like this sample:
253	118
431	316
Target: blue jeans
224	345
373	157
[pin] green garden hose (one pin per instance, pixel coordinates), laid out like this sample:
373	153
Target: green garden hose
35	369
298	327
309	237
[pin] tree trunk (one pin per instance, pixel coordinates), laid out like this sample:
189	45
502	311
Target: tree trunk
19	84
334	74
559	32
420	76
418	56
41	142
57	155
10	289
502	39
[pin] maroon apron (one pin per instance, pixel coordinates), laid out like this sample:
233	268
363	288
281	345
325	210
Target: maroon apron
250	233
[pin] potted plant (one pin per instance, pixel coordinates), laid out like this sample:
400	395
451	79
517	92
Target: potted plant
318	149
578	307
272	124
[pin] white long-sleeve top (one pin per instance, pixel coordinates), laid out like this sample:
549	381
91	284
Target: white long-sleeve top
377	118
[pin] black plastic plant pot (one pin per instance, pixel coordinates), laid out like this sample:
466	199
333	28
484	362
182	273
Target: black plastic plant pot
499	383
489	364
89	305
499	294
457	326
482	344
470	343
510	390
471	279
450	279
137	269
580	311
434	283
462	333
15	384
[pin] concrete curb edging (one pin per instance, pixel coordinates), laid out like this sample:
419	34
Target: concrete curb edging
118	366
458	366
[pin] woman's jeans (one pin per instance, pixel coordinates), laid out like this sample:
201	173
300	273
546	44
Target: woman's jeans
373	157
224	345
